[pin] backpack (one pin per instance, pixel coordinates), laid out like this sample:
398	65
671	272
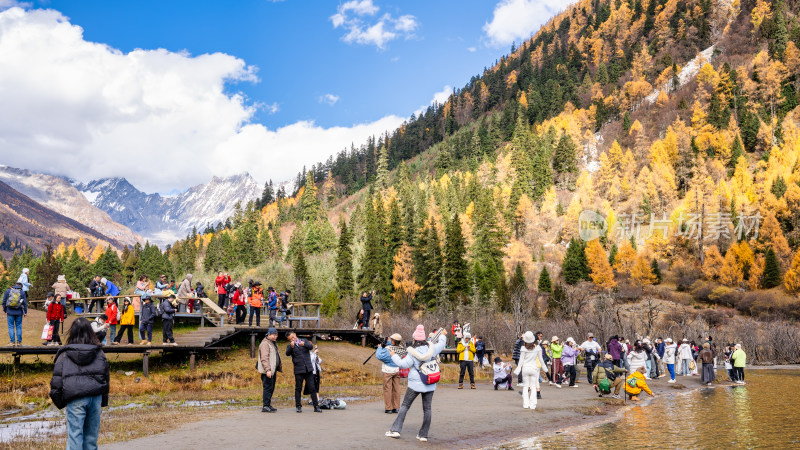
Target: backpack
119	314
631	382
429	372
604	386
15	298
159	310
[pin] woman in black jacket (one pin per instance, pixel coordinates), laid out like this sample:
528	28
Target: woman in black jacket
81	382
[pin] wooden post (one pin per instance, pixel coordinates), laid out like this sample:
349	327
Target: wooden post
252	345
314	338
16	361
192	361
363	340
146	364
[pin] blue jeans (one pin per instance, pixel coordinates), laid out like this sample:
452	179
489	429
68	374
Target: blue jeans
685	367
112	333
671	368
83	423
15	323
647	367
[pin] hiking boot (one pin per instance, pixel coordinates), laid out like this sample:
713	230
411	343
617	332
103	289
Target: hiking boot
460	385
265	409
495	387
317	409
299	409
510	387
472	386
538	395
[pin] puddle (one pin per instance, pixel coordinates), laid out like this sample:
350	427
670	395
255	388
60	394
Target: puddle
200	403
30	429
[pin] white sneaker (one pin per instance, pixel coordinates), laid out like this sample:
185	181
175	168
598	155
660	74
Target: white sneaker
558	386
422	439
574	385
671	381
392	434
550	383
519	384
533	407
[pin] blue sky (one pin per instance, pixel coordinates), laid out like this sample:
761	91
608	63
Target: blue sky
259	86
300	55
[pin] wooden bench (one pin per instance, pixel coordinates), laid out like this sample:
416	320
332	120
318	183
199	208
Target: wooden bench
304	316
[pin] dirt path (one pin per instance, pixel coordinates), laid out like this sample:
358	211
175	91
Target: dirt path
461	419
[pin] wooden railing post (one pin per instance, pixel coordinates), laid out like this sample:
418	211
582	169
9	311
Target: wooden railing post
146	364
252	345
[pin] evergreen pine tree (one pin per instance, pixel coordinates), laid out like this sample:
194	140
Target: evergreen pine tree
518	283
545	284
656	271
456	268
612	254
487	249
374	256
737	150
575	267
344	261
557	301
626	122
772	270
432	253
564	158
302	285
382	173
44	274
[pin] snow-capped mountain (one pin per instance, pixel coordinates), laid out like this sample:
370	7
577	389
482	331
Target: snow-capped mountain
163	219
57	194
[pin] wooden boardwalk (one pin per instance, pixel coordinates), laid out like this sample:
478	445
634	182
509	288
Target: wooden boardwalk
207	339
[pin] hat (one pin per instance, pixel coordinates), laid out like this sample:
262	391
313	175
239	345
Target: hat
608	356
668	340
270	288
570	340
62	278
498	359
127	299
103	280
467	336
545	342
528	337
396	337
256	283
554	339
419	333
685	340
646	341
589	335
238	285
51	294
26	270
272	330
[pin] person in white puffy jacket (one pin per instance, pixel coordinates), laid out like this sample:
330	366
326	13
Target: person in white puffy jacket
637	357
669	358
530	365
685	355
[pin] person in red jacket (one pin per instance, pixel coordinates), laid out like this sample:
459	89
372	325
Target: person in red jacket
56	316
111	312
221	281
238	302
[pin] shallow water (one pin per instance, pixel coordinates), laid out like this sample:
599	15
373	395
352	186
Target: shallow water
763	413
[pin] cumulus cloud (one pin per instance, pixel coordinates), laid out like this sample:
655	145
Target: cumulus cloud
164	120
330	99
356	18
515	20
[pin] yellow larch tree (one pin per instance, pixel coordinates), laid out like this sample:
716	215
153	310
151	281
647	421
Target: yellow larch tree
96	253
770	234
601	272
792	278
730	274
759	13
625	259
83	248
642	273
405	286
712	264
61	249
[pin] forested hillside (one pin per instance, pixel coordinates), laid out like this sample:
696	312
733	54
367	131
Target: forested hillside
629	147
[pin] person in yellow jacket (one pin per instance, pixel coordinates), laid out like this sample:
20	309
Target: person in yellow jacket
127	321
466	354
636	383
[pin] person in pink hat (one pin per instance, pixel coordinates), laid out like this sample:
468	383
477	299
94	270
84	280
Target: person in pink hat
422	379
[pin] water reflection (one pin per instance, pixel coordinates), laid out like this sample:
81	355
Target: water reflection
763	413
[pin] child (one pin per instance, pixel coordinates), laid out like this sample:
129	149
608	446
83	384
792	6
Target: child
55	315
502	374
480	350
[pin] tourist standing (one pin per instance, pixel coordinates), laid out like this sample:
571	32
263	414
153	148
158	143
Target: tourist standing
660	349
706	358
377	325
685	356
556	348
95	290
285	309
514	355
167	320
272	306
81	380
591	350
421	351
530	365
480	351
299	350
624	355
316	367
61	288
220	282
24	281
147	317
162	284
111	313
739	359
15	305
670	350
466	354
648	350
238	303
638	357
568	355
455	330
366	305
185	293
55	316
615	350
256	302
269	364
126	322
391	374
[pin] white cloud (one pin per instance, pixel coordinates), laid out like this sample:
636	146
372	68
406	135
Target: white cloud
87	110
515	20
471	49
351	16
272	108
330	99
